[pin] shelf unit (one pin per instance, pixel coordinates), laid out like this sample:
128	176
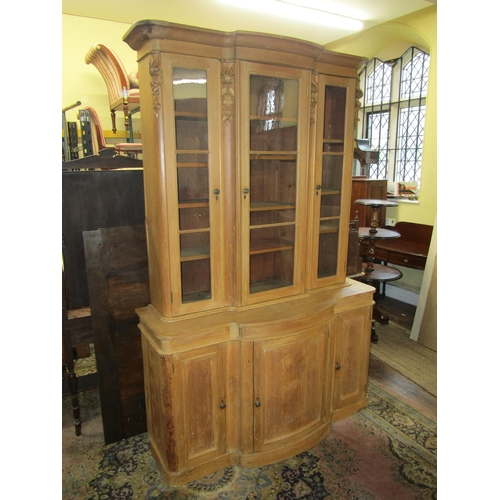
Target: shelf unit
248	146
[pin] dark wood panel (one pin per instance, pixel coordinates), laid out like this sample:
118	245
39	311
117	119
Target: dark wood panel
363	188
91	200
117	272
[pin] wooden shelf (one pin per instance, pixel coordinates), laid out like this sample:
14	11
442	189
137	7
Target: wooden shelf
195	253
268	246
267	155
193	203
325	227
329	192
195	297
262	206
190	114
192	165
262	286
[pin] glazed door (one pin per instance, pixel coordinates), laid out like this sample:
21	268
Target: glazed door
194	183
331	183
274	132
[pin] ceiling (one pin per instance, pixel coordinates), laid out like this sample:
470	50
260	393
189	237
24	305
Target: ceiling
224	15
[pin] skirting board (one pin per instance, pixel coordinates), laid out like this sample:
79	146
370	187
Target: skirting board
402	294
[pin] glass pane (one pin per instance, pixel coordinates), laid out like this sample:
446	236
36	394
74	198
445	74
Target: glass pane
335	100
273	184
331	180
273	114
328	248
273	181
191	127
195	266
271	258
190	104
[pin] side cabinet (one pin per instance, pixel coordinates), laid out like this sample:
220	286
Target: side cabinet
186	407
199	378
352	359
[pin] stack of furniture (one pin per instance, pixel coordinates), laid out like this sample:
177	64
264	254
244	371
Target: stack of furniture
374	273
367	189
254	341
409	250
96	193
122	87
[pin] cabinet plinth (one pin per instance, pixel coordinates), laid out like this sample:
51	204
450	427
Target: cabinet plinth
247	146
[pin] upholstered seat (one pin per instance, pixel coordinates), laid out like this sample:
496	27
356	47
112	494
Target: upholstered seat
97	137
123	91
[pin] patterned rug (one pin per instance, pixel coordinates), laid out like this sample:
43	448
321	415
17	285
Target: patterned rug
386	451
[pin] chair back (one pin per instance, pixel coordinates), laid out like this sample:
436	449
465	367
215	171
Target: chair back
111	68
96	132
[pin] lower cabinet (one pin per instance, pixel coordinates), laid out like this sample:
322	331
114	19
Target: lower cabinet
199	384
256	386
352	360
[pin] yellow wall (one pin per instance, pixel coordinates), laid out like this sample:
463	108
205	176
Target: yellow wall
84	83
390	40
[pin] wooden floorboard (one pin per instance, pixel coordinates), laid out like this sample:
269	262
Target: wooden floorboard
391	380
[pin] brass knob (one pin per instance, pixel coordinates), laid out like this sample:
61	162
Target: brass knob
222	405
337	366
257	403
318	186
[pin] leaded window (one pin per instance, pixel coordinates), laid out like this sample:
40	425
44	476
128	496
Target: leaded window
392	114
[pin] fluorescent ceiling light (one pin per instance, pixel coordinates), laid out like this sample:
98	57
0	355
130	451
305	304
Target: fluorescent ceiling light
300	10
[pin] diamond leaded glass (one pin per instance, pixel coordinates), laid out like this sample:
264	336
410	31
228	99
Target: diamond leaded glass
397	89
410	140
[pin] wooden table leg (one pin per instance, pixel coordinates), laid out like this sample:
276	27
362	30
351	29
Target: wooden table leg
71	378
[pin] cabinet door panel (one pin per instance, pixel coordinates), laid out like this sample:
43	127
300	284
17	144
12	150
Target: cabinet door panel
199	384
352	357
193	179
274	131
331	180
289	387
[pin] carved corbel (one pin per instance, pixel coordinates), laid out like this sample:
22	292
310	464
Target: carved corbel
314	95
156	81
227	93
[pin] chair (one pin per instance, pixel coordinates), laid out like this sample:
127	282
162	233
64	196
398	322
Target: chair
97	138
123	91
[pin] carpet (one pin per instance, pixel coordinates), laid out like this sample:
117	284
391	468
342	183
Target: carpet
413	360
385	451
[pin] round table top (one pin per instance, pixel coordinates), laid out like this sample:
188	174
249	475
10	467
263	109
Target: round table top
381	273
376	203
381	234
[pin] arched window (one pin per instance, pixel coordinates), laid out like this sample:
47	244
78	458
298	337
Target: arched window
392	114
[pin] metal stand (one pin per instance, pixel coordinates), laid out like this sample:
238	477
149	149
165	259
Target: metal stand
66	149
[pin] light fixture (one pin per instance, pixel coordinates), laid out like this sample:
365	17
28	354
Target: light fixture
301	10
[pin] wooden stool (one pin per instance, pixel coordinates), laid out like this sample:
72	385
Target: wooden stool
379	274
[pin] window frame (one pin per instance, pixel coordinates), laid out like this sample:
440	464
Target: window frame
394	103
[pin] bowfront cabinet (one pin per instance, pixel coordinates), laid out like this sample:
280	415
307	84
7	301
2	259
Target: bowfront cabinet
247	146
